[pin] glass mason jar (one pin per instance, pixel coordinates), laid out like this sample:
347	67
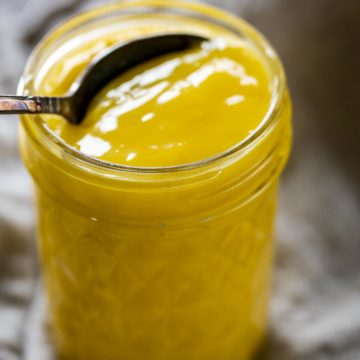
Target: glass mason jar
155	263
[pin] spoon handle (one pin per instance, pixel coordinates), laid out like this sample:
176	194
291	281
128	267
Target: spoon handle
32	105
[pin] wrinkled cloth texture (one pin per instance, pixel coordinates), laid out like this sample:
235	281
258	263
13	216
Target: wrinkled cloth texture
315	310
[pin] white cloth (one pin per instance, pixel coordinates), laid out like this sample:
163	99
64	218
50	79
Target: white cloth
316	303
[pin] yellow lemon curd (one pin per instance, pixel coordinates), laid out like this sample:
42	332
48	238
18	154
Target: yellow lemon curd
176	109
158	264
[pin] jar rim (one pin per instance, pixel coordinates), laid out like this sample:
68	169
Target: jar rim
211	13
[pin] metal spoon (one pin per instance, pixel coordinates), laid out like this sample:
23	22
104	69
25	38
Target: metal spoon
101	71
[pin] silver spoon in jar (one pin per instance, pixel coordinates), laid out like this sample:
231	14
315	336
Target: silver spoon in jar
105	67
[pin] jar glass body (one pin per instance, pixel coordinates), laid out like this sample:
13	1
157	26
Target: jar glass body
156	264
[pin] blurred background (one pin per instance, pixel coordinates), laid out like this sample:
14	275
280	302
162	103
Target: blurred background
316	307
